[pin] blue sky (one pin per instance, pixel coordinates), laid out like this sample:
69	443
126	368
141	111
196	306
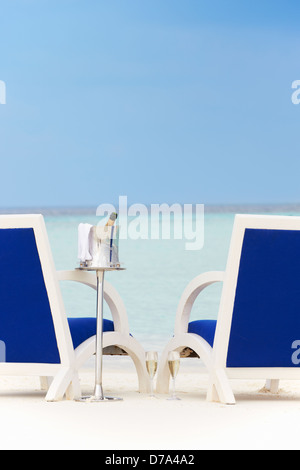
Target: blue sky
160	100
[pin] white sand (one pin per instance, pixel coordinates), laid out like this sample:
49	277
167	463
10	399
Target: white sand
258	421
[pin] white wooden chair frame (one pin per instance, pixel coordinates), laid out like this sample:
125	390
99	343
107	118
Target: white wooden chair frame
215	359
63	377
120	337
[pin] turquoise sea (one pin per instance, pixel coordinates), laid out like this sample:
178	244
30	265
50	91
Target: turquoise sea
157	270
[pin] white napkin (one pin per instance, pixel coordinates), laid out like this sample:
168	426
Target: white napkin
84	231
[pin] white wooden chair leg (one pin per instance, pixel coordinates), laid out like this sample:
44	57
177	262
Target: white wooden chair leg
137	354
44	383
179	343
129	344
60	384
163	376
212	394
220	389
273	386
74	391
268	385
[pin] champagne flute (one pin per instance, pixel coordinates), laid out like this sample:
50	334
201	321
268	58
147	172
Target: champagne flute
151	364
174	364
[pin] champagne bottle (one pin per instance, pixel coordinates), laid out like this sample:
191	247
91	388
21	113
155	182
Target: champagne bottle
109	227
111	221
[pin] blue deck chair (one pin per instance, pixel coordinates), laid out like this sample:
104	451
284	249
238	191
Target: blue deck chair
36	337
257	334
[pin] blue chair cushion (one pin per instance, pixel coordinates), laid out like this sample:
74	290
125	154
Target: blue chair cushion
84	328
27	332
26	324
204	328
266	319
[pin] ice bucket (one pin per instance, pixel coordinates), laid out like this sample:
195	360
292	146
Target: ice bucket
101	246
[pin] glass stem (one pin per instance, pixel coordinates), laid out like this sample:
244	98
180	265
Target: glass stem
174	387
152	388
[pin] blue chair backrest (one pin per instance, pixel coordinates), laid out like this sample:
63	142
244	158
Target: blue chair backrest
266	315
26	325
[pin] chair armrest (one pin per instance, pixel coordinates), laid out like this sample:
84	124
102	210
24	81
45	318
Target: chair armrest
190	295
111	296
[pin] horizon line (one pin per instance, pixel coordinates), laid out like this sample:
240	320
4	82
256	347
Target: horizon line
208	208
